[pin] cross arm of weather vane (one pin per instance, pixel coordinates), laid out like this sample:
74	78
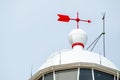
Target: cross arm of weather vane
66	18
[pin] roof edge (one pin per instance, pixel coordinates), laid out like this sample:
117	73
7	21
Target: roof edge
39	73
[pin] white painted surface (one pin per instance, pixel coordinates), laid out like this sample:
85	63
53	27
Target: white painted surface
73	56
78	35
78	54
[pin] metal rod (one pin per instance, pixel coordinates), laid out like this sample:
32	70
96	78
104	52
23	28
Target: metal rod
104	33
31	69
95	40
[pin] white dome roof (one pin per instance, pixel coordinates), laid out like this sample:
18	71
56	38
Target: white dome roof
73	56
77	38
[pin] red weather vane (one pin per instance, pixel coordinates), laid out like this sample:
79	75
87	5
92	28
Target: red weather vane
66	18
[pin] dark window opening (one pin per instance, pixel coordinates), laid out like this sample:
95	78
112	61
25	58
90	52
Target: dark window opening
85	74
48	76
102	75
40	78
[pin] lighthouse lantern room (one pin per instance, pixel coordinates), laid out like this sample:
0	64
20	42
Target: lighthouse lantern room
78	63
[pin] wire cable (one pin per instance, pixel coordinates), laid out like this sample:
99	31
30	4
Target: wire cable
96	40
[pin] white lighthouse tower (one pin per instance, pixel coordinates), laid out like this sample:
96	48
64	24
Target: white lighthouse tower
77	64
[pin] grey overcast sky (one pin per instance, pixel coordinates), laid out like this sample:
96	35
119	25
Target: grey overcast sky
29	32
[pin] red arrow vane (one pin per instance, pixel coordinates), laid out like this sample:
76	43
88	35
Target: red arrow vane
66	18
63	18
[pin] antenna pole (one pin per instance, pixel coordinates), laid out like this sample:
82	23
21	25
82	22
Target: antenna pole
31	69
103	33
100	58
